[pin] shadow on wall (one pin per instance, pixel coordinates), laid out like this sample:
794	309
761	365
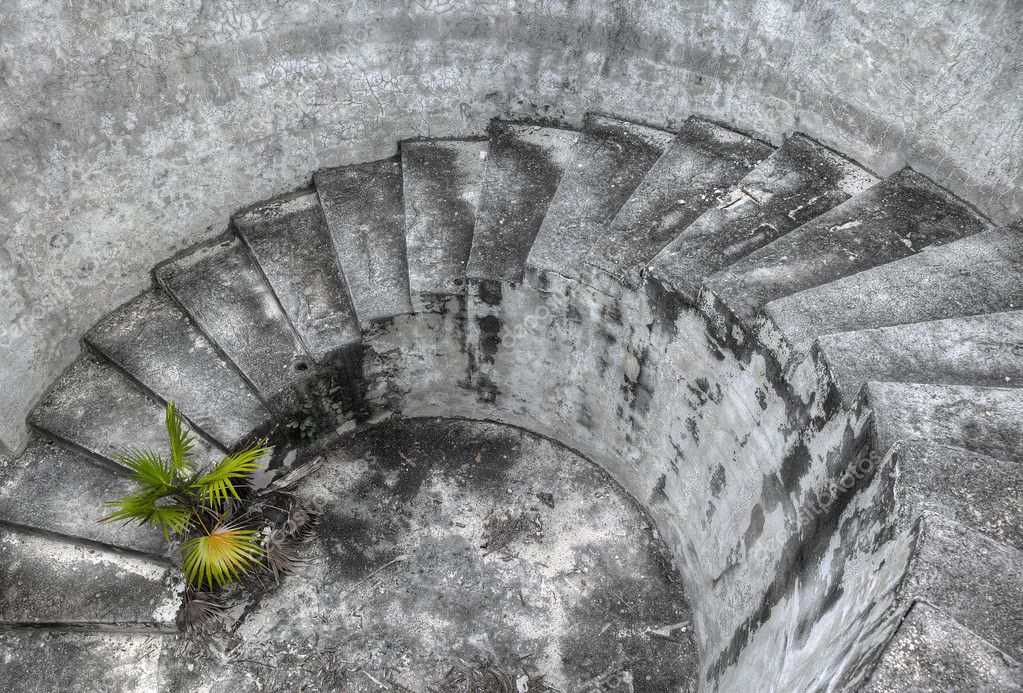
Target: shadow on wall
126	135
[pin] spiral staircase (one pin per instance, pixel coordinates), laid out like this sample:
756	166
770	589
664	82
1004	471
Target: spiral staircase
808	376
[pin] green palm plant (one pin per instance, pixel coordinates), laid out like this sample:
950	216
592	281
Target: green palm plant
194	505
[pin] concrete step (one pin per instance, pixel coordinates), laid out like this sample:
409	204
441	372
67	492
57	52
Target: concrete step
48	581
970	578
441	182
975	490
44	661
976	275
900	216
51	488
226	295
96	408
931	653
525	165
154	342
798	182
366	216
609	161
981	419
289	238
703	162
985	350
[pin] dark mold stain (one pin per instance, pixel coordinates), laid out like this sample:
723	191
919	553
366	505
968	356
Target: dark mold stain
489	292
694	428
490	337
658	494
795	464
755	527
717	481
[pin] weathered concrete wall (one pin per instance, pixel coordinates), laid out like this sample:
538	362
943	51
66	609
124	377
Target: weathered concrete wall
759	481
129	130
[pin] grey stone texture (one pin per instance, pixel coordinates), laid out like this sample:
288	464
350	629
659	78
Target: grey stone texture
900	216
289	238
979	274
610	159
42	662
97	409
799	181
702	163
366	217
974	580
931	653
222	289
152	340
447	544
981	419
126	136
524	167
978	491
805	525
51	581
53	489
441	181
985	350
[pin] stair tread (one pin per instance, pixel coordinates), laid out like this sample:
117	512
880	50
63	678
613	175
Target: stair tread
365	213
796	183
225	293
899	216
610	159
981	419
50	581
52	488
971	578
153	341
931	652
704	161
976	490
524	166
289	238
43	661
442	181
979	274
984	350
100	410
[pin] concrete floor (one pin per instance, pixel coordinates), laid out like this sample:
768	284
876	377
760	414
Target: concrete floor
461	556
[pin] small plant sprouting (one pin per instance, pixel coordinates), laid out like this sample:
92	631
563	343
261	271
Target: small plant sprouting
195	506
304	426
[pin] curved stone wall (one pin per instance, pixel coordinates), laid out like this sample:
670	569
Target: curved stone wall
763	485
127	129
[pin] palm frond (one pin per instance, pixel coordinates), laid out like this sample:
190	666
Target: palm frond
148	468
181	440
222	556
204	611
175	518
218	484
142	507
281	557
301	522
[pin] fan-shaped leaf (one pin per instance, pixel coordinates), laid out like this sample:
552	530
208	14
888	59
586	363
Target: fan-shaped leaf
181	440
217	484
281	556
204	612
142	507
148	468
222	556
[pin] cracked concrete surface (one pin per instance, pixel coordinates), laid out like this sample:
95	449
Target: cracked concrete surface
130	130
446	546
